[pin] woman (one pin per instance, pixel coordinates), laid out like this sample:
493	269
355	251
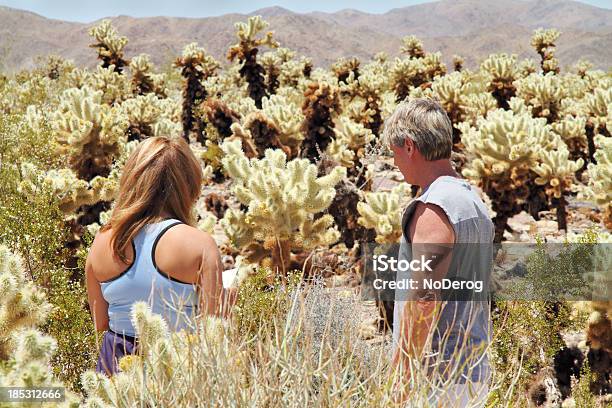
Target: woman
149	251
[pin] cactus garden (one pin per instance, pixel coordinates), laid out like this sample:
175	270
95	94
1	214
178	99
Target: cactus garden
296	181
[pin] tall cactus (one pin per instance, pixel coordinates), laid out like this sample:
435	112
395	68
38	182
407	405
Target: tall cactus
321	103
246	52
109	45
196	66
544	43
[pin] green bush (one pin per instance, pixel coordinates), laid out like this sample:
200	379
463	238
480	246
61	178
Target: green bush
34	227
261	300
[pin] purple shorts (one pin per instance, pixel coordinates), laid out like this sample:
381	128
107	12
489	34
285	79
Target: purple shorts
114	346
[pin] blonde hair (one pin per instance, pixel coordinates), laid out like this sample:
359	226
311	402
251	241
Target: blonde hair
423	121
161	175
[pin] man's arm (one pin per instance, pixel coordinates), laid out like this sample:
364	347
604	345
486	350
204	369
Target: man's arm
432	237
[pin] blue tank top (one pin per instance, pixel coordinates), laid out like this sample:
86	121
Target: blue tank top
175	301
463	330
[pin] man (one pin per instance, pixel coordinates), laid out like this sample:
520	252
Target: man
446	332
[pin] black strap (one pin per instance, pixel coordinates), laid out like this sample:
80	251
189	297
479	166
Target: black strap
126	269
123	336
161	233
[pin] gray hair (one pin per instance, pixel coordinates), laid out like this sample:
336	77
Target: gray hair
424	122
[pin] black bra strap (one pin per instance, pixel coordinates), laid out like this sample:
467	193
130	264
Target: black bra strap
161	233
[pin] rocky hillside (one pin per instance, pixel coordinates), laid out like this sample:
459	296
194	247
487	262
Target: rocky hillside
471	28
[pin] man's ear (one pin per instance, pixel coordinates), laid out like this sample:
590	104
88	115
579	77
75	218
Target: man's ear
409	146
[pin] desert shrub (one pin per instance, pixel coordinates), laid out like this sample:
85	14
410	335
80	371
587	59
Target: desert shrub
527	333
34	228
262	299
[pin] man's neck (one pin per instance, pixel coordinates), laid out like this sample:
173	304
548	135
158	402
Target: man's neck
437	169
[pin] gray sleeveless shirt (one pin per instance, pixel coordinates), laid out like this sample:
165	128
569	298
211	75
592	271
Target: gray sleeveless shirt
463	331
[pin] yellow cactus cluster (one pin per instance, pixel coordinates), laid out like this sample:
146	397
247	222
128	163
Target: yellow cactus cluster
247	32
382	212
350	142
544	43
600	178
543	93
25	353
109	45
509	151
144	80
287	117
418	69
148	116
70	191
283	199
88	132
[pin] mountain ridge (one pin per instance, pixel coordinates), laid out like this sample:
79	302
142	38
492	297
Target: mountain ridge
470	28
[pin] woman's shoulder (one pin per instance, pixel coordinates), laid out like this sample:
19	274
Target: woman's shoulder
187	241
181	250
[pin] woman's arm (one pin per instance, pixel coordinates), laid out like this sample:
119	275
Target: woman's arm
214	299
97	304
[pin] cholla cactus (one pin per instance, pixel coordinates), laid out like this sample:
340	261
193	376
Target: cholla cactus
505	147
409	73
144	81
600	178
283	199
344	67
543	93
353	135
220	117
544	43
458	62
556	172
56	67
381	211
582	67
370	86
288	118
271	64
114	86
527	67
598	104
25	353
478	105
503	71
412	46
109	45
196	66
146	117
88	132
320	105
246	51
71	192
259	133
572	131
274	64
341	153
292	72
22	304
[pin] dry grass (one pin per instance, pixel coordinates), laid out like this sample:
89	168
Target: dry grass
311	356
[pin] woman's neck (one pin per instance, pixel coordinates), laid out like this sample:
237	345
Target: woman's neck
166	214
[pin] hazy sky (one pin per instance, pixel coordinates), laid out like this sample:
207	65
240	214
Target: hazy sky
86	11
